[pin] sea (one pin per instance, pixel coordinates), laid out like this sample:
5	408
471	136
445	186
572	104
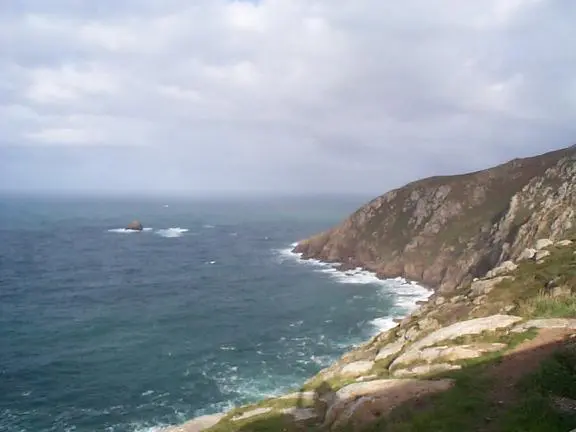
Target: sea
102	329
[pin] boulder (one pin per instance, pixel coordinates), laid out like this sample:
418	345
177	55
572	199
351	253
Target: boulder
527	254
390	350
484	286
412	333
543	243
561	291
462	328
367	378
428	324
505	267
541	254
458	298
357	368
451	353
359	404
135	225
546	323
425	369
565	243
439	301
301	415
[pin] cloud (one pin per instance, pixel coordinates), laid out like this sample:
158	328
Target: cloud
290	94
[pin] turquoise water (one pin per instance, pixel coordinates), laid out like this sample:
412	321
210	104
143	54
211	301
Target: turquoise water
102	330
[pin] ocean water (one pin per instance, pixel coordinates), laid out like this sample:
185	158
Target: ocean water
106	330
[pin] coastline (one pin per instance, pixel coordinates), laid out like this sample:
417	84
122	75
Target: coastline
407	302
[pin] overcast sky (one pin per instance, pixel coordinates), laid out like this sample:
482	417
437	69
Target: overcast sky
209	96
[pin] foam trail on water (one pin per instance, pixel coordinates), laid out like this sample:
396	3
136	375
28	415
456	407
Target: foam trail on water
127	231
172	232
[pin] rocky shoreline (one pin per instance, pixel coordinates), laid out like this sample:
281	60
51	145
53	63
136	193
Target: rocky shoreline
412	359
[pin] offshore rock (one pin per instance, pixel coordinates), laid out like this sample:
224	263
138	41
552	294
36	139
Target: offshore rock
135	226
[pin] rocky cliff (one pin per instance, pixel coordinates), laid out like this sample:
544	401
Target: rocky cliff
444	231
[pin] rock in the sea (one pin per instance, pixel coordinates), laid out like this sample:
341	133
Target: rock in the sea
543	243
135	225
505	267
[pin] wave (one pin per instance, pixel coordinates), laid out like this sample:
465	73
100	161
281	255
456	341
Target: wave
127	231
165	232
171	232
405	294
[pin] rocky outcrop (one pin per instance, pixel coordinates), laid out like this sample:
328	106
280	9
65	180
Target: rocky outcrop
359	404
135	225
444	231
450	353
456	330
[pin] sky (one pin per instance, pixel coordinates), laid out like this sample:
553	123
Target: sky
277	96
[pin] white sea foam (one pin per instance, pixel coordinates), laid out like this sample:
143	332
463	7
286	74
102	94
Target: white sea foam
172	232
127	231
404	294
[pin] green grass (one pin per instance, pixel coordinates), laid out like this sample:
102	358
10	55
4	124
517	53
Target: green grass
495	336
457	409
468	405
525	291
534	412
546	306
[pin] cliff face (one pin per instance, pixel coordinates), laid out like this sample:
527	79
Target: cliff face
444	231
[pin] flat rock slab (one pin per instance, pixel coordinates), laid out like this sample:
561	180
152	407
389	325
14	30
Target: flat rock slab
546	323
505	267
198	424
359	404
451	353
357	368
426	369
484	286
390	350
541	254
301	414
251	413
462	328
543	243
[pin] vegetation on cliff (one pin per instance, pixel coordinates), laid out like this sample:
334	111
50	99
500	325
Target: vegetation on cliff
444	231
